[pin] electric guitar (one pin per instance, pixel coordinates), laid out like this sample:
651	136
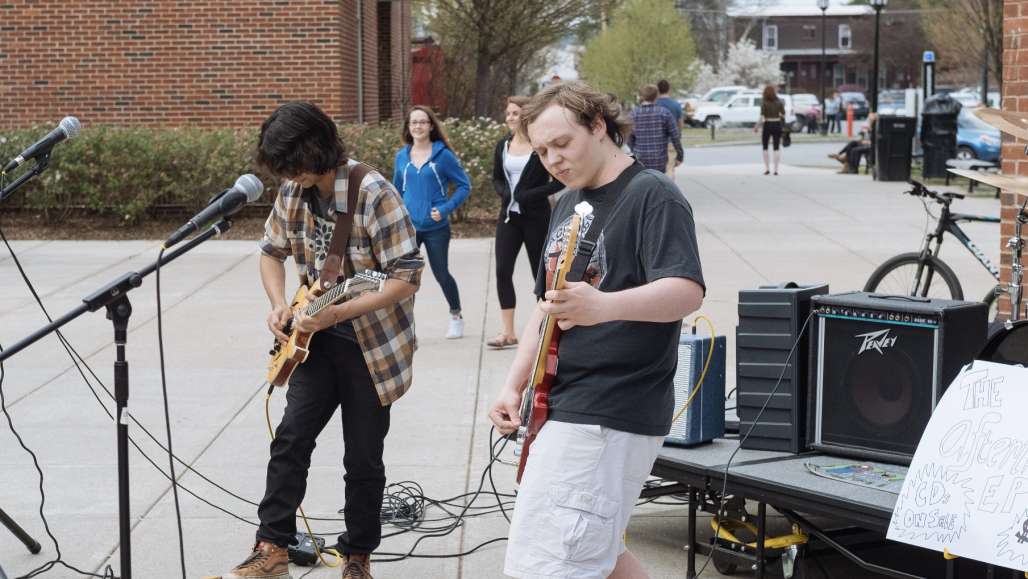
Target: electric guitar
285	357
535	401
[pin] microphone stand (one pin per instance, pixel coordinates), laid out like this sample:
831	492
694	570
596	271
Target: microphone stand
42	162
114	297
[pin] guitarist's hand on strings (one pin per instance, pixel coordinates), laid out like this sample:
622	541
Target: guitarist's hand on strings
578	304
505	411
327	317
277	320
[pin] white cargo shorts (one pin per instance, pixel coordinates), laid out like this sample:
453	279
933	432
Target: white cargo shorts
576	496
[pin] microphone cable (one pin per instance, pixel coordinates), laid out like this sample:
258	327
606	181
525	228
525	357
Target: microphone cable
59	560
167	414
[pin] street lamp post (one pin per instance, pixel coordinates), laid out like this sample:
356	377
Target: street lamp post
823	5
877	5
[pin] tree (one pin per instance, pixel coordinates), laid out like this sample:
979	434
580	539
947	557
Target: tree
978	24
748	66
646	40
490	43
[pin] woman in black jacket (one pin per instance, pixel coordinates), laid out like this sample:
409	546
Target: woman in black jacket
524	187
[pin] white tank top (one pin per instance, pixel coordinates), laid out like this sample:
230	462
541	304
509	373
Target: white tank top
513	167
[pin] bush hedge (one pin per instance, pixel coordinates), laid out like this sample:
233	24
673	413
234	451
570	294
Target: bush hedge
139	173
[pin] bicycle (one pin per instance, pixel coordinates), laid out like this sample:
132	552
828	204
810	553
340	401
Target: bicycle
915	273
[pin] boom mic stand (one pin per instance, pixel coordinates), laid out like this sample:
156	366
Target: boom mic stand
42	162
114	297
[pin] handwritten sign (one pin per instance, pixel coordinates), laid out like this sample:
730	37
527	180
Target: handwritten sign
967	487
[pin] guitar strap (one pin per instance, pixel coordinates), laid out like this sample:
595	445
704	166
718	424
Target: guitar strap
587	244
344	224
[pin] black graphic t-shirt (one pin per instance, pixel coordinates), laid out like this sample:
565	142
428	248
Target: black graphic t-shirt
620	374
324	227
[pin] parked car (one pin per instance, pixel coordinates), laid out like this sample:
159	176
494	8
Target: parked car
806	107
859	102
710	104
742	109
892	102
975	138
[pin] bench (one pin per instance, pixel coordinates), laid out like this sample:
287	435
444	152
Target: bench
972	165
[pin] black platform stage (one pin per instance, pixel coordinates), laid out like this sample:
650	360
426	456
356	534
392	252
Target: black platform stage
782	481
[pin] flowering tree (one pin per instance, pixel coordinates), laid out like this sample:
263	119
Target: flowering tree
746	65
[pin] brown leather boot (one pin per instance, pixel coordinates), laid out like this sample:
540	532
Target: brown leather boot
267	561
358	566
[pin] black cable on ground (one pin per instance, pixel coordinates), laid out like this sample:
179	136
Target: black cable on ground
109	572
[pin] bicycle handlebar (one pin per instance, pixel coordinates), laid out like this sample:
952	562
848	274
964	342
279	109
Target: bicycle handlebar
920	190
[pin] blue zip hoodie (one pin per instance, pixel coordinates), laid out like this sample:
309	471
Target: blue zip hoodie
426	188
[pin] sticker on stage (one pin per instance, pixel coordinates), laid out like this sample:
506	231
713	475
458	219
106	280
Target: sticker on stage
966	491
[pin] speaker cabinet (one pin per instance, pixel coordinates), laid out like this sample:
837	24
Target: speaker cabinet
770	320
704	420
879	365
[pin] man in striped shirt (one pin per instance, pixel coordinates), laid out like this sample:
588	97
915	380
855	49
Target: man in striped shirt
654	127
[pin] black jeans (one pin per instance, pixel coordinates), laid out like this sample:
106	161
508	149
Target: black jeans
528	229
334	376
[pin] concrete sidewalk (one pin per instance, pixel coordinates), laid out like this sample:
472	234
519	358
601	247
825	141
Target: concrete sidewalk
808	225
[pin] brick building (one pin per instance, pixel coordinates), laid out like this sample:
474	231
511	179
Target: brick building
795	33
218	63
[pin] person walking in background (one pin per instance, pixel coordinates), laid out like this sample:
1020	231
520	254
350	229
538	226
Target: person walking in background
423	172
832	109
665	100
772	118
653	130
524	187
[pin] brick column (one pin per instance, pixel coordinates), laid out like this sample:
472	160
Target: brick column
1015	98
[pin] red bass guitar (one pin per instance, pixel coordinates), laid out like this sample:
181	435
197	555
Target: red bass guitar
535	401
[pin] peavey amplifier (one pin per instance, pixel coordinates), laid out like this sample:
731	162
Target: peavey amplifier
879	364
704	420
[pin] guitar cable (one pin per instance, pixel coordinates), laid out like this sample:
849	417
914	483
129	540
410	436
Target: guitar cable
706	366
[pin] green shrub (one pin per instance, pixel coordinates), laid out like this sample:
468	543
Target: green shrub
135	173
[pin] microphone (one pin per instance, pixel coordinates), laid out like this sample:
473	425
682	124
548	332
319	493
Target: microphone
247	189
68	128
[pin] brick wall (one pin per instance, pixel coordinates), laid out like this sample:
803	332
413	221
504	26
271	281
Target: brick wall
1015	98
189	62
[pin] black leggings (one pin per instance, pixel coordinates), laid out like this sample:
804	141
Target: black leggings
772	129
529	230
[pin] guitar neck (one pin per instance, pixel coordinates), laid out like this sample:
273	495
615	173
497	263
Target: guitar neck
328	298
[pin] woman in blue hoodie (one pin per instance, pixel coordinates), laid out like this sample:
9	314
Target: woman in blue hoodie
423	172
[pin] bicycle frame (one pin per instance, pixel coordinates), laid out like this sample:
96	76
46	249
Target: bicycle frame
949	222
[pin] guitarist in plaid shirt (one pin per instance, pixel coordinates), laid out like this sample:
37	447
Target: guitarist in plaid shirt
360	358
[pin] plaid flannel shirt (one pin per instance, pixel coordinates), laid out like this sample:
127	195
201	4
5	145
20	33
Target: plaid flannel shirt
653	128
382	239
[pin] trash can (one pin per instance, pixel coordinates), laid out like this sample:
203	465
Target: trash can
894	144
939	133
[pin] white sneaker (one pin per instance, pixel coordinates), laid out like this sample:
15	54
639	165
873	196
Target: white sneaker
456	329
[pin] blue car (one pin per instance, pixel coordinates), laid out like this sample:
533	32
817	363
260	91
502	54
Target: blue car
975	138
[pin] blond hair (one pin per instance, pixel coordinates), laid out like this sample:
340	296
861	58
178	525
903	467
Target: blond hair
587	104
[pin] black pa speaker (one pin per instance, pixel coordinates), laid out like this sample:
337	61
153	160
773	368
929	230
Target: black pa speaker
879	365
770	320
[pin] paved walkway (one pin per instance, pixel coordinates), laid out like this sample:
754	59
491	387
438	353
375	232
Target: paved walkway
807	225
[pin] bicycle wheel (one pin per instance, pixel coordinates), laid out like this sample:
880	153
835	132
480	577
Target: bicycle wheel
896	277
